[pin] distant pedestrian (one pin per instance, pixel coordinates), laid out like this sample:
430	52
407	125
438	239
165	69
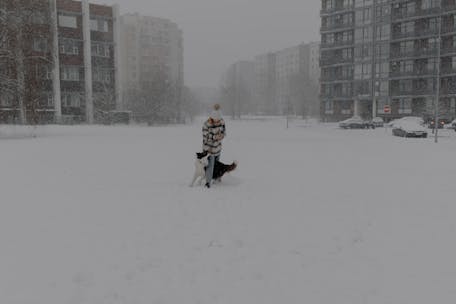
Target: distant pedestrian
214	132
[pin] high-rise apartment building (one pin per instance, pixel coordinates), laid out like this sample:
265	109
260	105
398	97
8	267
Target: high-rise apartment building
150	47
387	52
297	73
280	82
239	84
265	83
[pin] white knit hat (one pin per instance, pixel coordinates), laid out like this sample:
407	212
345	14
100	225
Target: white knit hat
215	115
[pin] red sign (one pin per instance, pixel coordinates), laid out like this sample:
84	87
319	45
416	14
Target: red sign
387	109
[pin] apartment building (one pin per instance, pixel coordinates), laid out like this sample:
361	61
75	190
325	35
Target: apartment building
378	52
150	46
297	74
65	67
239	84
285	81
265	84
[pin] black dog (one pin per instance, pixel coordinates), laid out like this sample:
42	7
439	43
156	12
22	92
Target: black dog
219	168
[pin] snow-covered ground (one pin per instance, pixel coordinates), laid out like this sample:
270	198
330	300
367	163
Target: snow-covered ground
314	214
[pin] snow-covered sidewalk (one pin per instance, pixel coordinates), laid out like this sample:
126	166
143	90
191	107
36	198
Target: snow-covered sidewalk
313	214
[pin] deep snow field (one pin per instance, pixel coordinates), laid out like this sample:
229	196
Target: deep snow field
314	214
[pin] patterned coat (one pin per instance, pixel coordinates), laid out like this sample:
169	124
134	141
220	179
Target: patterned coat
213	134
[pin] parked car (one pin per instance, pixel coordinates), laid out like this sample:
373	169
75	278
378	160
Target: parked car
451	125
441	125
378	122
415	119
409	128
356	122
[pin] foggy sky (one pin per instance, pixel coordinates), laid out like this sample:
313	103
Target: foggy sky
220	32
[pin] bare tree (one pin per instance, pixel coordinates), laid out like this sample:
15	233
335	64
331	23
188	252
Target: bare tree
304	95
24	42
155	101
191	106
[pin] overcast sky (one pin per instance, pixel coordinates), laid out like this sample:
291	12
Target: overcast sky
219	32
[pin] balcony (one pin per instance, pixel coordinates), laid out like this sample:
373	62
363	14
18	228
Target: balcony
399	15
336	10
448	7
336	27
337	95
336	78
415	34
448	50
413	74
412	92
335	44
448	90
448	71
448	29
334	60
414	53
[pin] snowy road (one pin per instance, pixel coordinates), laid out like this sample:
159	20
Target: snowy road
313	215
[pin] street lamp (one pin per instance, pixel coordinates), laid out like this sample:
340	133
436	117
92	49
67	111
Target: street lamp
437	98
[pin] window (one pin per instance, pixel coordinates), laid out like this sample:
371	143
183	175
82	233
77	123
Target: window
99	25
407	27
6	99
70	73
346	107
329	107
363	34
47	99
363	71
405	106
39	45
429	4
382	69
44	72
71	99
69	46
102	75
101	49
68	21
383	32
39	17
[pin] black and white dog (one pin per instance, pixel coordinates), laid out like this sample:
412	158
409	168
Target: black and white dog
201	163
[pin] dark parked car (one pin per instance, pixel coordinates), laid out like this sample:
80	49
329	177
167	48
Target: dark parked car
409	128
356	122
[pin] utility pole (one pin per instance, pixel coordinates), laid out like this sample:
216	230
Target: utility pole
436	103
373	76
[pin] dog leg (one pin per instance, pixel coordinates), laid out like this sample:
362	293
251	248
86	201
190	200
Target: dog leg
193	180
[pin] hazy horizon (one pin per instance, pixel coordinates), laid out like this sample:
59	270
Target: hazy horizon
218	33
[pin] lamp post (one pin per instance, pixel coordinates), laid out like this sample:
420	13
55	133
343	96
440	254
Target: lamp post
437	98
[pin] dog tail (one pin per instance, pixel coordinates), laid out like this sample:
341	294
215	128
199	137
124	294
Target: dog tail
233	166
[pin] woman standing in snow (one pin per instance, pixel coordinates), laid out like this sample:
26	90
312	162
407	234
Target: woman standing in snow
213	133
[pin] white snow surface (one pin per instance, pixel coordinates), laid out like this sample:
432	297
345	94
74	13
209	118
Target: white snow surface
313	214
